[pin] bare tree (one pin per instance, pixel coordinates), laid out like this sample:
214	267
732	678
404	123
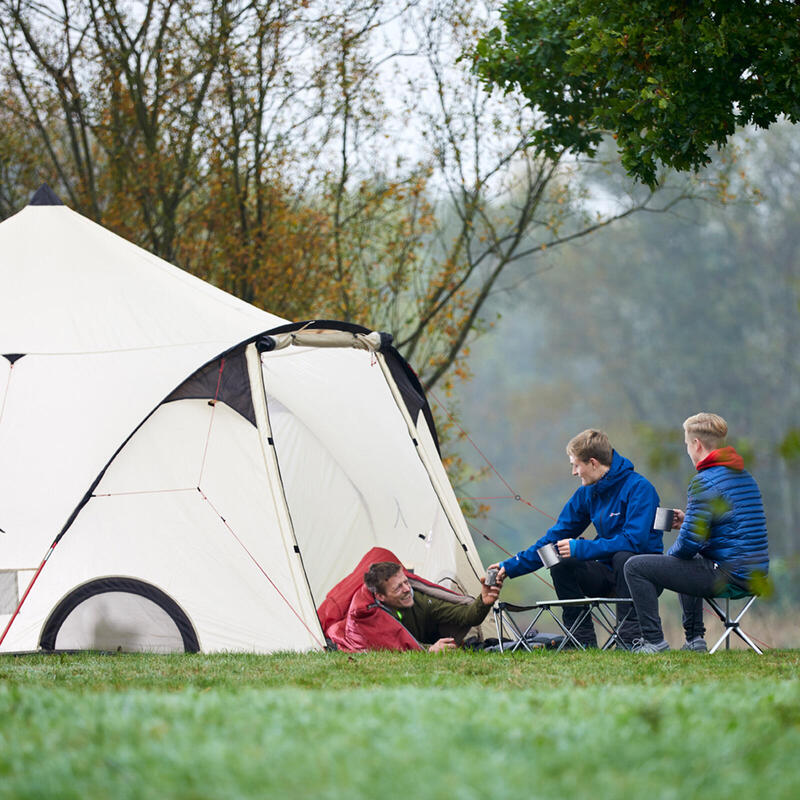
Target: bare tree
318	158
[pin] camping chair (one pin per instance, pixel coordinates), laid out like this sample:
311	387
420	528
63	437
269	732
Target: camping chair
732	625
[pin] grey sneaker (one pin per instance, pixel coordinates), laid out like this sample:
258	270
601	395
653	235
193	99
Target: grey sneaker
698	644
643	646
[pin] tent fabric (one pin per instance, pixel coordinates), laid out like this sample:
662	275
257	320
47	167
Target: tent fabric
107	332
150	437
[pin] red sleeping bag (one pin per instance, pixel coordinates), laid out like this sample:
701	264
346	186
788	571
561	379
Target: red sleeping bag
351	618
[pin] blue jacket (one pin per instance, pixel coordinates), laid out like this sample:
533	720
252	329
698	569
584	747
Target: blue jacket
621	506
725	519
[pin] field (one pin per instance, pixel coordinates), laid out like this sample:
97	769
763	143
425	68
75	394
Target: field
456	725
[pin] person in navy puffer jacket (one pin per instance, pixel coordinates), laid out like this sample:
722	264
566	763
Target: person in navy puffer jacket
621	505
722	544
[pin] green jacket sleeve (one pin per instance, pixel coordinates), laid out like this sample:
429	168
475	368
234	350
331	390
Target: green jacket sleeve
444	616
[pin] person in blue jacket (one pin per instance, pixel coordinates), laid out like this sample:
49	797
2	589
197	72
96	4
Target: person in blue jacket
621	504
722	543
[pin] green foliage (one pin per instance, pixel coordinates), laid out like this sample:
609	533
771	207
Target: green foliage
462	725
664	448
789	448
762	585
669	80
746	448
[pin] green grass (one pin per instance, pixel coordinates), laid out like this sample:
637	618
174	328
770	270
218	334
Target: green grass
459	725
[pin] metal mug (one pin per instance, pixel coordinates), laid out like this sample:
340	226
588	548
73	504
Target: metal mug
664	519
549	555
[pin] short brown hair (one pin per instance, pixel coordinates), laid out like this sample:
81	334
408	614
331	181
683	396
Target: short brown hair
709	428
591	444
378	573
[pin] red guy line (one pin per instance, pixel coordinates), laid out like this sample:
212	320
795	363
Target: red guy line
515	495
261	569
489	539
27	591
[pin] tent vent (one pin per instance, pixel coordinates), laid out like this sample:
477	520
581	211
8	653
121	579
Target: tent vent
297	549
223	380
45	196
416	443
9	596
464	548
271	441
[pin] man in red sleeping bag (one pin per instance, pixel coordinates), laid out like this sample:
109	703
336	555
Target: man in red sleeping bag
386	613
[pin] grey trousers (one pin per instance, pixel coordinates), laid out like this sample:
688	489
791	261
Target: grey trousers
694	578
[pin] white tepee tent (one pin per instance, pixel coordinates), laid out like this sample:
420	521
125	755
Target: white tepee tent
182	471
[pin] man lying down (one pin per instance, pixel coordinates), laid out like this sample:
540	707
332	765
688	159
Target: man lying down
425	617
387	613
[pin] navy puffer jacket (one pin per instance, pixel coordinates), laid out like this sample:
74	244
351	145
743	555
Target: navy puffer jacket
725	519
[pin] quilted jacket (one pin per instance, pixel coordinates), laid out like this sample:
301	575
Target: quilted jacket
725	519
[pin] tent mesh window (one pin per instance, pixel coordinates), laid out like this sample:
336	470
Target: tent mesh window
119	614
9	596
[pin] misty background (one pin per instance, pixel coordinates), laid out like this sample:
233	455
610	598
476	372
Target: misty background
633	329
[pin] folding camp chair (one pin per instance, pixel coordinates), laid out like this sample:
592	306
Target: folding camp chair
600	609
732	625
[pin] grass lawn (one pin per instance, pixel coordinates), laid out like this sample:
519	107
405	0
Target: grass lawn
457	725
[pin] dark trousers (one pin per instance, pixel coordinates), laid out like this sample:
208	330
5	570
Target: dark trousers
573	579
693	578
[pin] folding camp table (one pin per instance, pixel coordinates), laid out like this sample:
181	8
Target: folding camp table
600	610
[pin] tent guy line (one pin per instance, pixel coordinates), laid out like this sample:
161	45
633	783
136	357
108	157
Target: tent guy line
28	590
514	494
261	568
500	547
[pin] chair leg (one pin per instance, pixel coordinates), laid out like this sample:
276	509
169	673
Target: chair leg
732	625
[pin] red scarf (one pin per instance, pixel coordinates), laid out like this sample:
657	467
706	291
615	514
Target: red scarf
724	457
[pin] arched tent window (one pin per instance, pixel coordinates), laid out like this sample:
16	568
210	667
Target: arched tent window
119	614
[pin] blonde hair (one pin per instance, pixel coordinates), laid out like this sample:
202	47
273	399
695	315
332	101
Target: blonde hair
710	429
591	444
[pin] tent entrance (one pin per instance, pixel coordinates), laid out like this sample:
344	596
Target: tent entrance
119	614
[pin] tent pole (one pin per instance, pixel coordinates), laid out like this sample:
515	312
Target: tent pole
470	553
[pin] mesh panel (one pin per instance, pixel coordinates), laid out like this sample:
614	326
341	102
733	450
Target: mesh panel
9	595
119	621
